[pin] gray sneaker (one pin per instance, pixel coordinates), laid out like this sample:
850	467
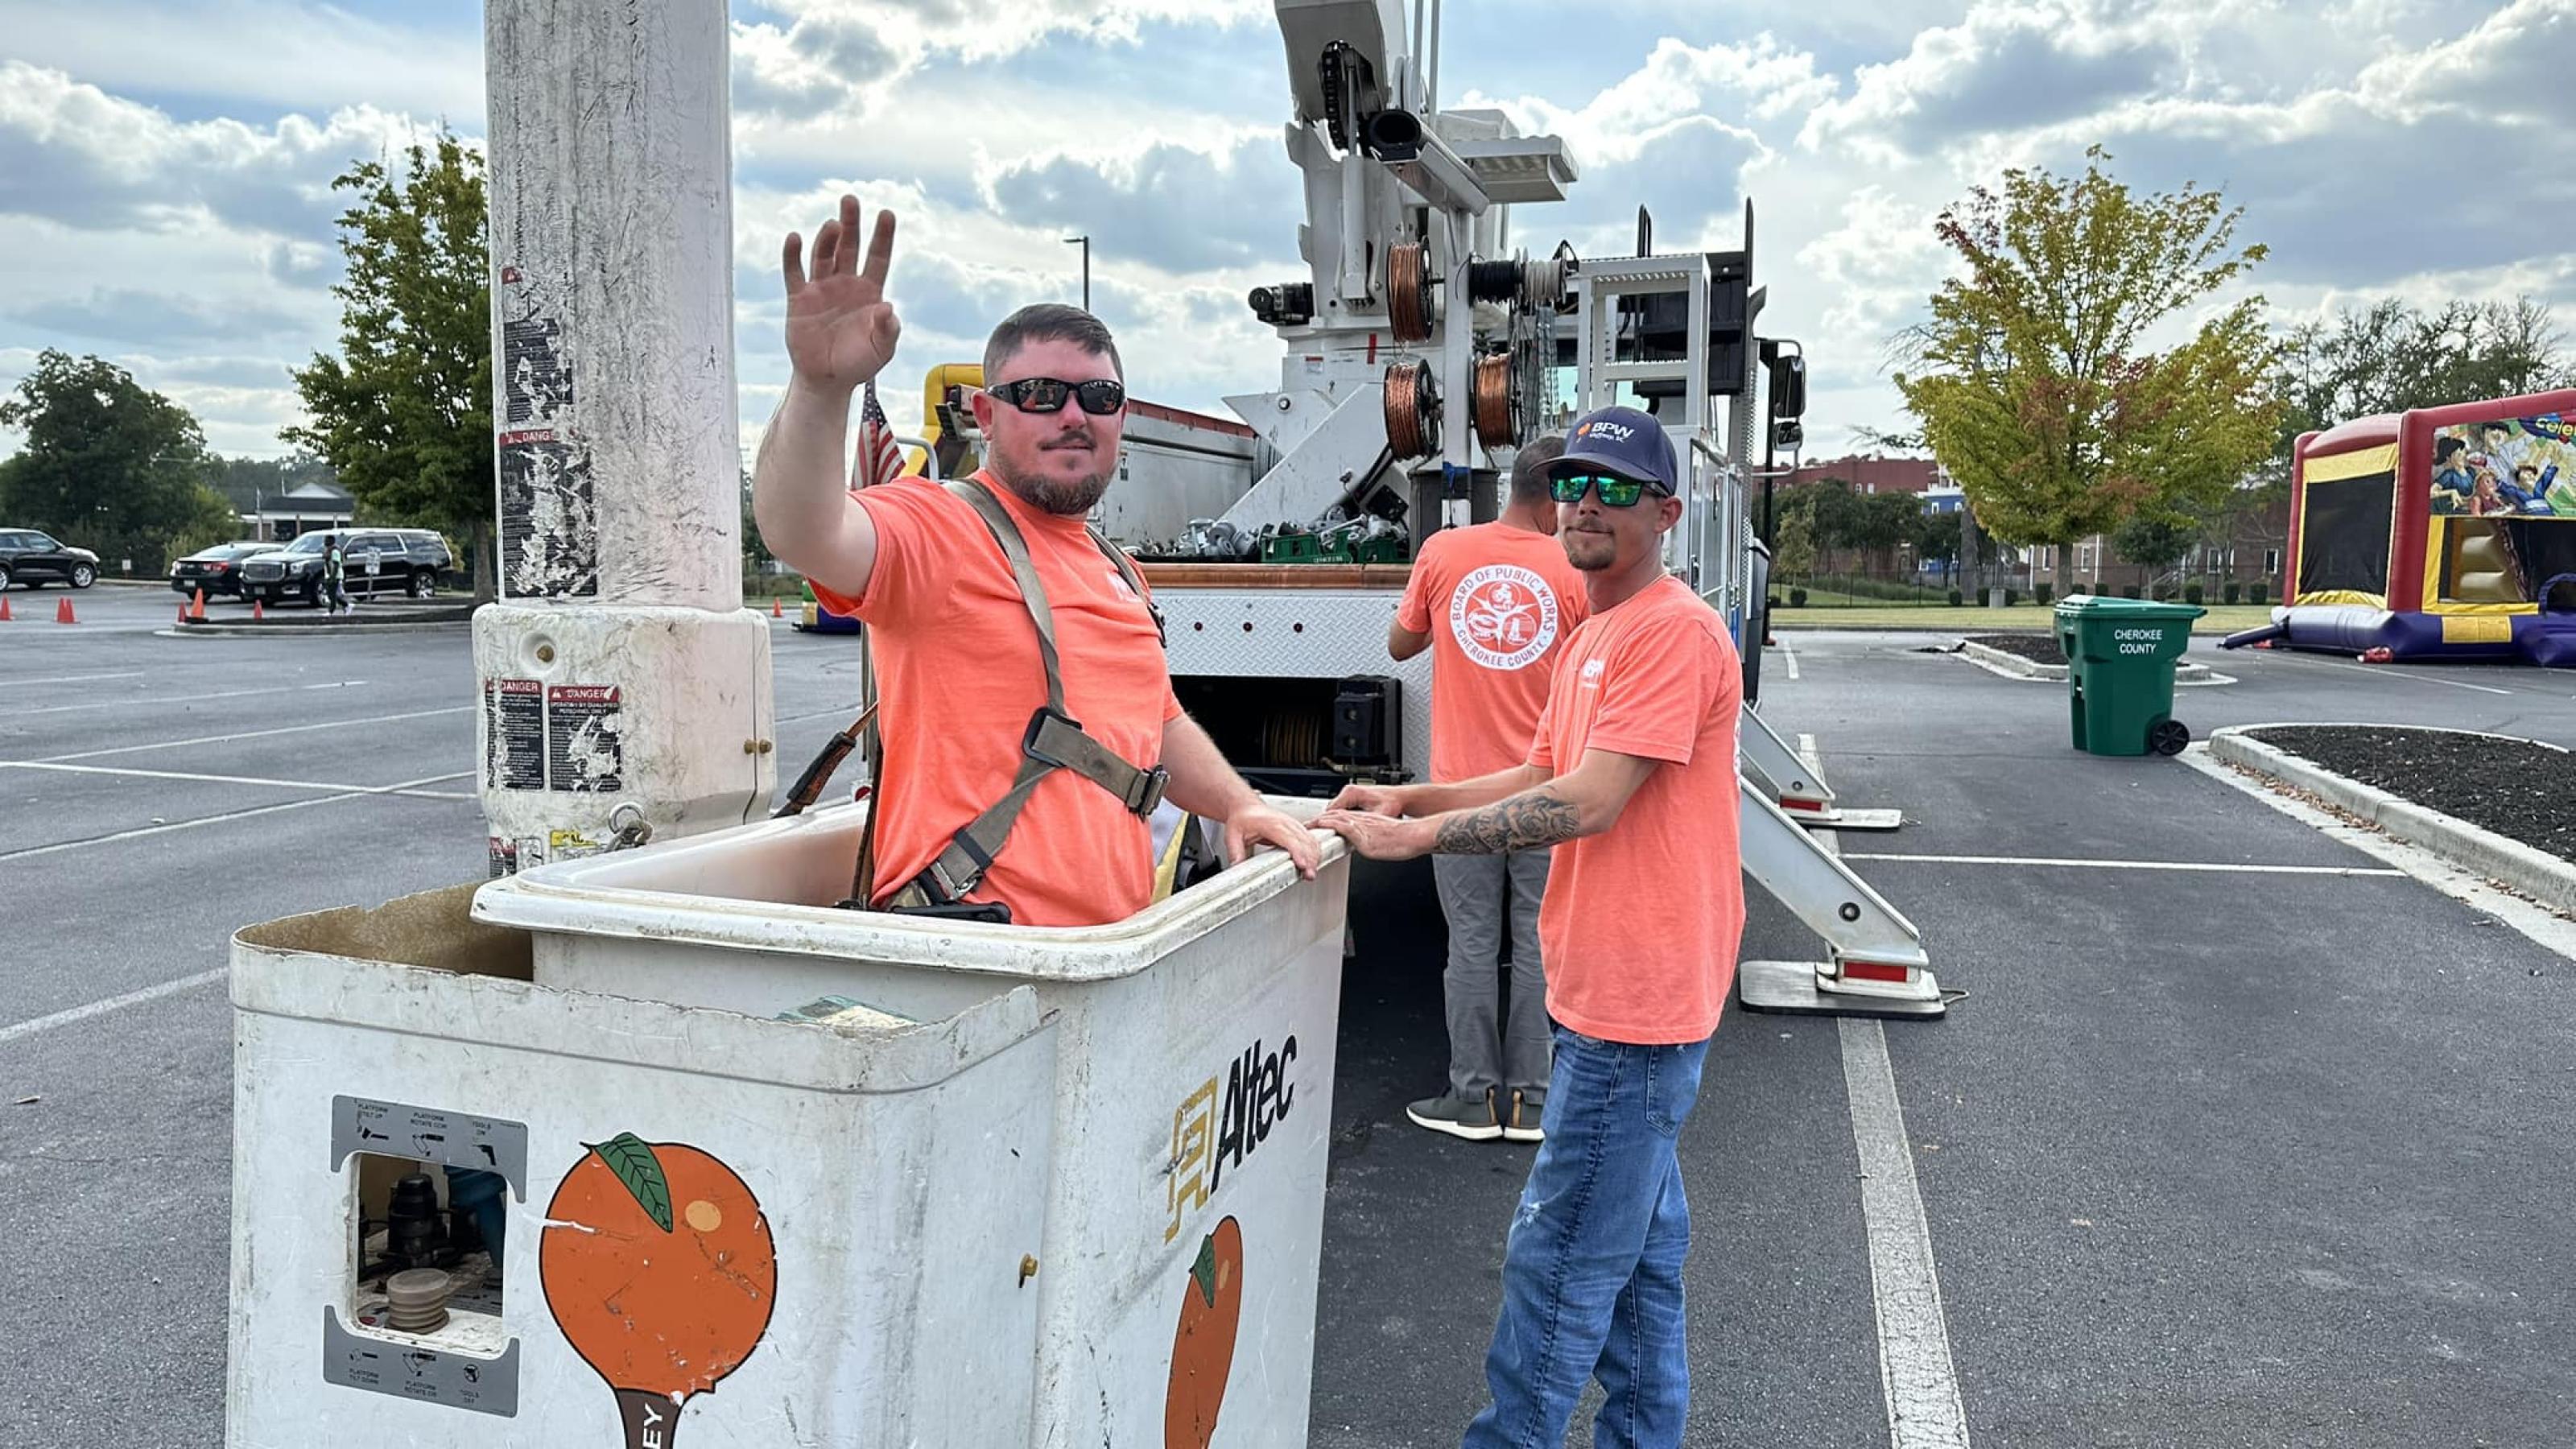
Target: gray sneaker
1529	1104
1468	1117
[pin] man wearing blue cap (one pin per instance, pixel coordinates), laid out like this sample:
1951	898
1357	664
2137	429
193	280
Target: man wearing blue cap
1632	778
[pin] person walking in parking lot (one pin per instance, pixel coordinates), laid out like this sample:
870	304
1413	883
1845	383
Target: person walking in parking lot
335	574
1631	776
1494	603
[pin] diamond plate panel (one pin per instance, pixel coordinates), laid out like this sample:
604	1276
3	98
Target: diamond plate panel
1298	634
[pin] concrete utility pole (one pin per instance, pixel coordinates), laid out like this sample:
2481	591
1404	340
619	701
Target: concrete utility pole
1085	243
622	682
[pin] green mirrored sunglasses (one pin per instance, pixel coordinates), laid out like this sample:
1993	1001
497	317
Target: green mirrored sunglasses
1616	492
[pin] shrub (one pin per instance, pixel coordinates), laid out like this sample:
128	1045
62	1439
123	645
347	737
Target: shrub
2191	593
2011	597
1954	598
2131	591
1797	598
2258	592
2233	592
2044	593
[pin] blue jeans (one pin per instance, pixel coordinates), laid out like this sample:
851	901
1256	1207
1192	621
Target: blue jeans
1592	1273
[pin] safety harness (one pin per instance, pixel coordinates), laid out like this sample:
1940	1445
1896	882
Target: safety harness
1053	741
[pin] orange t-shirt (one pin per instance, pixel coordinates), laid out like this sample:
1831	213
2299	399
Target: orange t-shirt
958	677
1498	602
1641	922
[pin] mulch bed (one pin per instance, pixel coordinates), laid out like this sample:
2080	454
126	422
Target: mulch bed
2516	788
2037	648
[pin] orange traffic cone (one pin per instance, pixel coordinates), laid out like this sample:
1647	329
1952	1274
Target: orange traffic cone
4	608
258	611
63	612
183	616
197	609
776	612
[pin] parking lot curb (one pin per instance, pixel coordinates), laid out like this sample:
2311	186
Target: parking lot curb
2536	873
2005	662
297	631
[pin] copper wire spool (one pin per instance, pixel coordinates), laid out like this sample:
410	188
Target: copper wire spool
1408	292
1412	410
1496	427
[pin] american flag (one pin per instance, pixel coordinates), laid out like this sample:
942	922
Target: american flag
878	458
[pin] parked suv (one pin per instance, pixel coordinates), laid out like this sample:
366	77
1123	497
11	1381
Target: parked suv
380	561
216	570
35	559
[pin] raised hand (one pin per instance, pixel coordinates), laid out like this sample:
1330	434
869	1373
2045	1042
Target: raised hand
841	330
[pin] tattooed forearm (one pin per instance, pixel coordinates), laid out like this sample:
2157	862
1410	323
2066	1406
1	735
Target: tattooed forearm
1528	821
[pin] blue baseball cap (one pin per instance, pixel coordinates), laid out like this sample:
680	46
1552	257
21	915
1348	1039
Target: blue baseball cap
1622	440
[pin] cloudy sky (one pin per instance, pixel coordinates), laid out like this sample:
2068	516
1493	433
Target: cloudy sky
165	164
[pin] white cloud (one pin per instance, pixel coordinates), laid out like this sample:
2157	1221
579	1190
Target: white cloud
2424	148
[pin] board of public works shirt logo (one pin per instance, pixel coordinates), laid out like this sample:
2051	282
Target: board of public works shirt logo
1503	616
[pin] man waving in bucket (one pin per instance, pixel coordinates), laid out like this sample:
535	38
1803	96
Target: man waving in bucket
1028	716
1631	778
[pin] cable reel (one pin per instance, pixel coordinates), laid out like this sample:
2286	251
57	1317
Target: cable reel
1412	410
1408	291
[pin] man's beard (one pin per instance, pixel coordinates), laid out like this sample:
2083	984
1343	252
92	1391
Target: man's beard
1070	499
1588	561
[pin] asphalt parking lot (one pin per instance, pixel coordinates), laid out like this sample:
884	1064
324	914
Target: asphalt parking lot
2268	1152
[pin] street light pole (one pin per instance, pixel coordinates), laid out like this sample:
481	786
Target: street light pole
1085	243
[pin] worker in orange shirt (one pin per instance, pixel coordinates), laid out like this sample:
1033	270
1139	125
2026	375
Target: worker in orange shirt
1017	781
1493	603
1631	776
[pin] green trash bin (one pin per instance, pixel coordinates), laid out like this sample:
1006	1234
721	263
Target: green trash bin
2120	657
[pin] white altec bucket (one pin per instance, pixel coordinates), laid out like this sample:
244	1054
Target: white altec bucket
1042	1187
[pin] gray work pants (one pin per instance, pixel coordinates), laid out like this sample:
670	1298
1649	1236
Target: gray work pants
1484	1051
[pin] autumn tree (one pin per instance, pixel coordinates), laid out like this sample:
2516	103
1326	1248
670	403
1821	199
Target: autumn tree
404	412
109	465
2036	379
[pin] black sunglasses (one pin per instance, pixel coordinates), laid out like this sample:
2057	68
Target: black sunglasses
1616	492
1099	397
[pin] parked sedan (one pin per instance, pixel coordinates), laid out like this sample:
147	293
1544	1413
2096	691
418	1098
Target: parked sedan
35	559
215	570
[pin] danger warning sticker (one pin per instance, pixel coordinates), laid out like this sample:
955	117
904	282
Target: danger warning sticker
514	722
585	748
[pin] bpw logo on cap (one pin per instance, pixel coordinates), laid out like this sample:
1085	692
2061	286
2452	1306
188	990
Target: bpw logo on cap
1615	432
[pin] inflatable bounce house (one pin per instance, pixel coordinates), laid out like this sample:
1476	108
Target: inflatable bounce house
2440	533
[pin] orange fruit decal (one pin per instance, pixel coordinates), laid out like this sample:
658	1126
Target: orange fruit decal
1203	1346
658	1267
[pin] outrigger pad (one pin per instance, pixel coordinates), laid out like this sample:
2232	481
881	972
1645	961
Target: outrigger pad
1841	819
1788	988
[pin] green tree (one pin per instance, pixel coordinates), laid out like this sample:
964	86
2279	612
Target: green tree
2390	357
1936	536
108	465
2156	541
404	413
2033	378
1795	556
1884	520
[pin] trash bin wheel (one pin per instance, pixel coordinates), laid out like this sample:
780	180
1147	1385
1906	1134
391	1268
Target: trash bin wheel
2168	736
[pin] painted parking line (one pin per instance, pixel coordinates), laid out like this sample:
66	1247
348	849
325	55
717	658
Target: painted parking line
1916	1373
2538	922
225	739
2393	671
71	679
158	701
2213	867
230	815
1788	656
114	1003
328	787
